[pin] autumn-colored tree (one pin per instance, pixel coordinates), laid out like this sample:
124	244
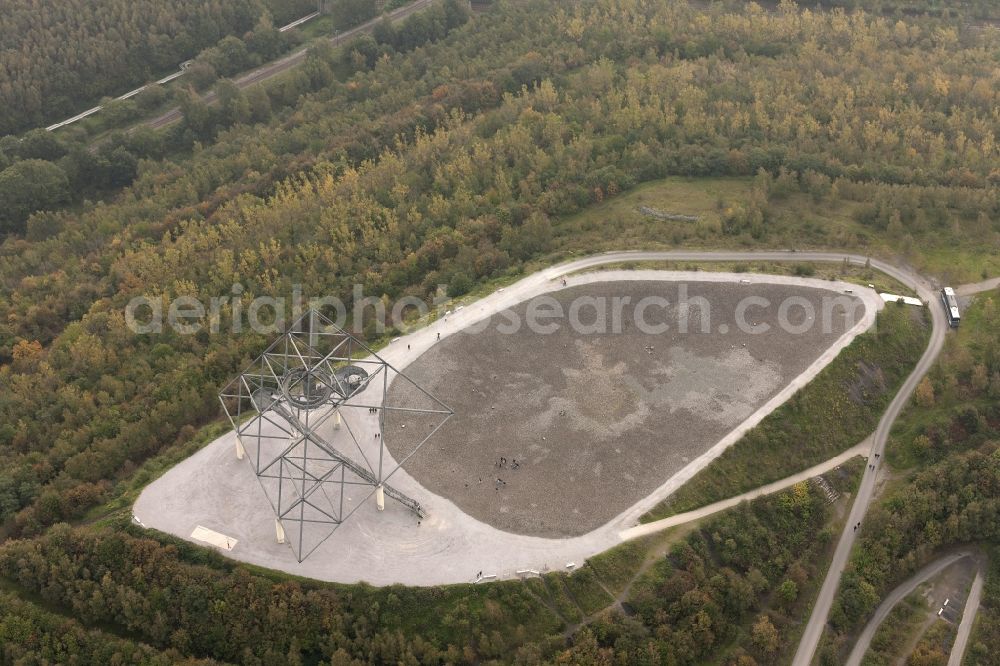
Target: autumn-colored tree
764	636
924	393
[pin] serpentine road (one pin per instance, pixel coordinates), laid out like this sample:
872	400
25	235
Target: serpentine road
821	610
902	591
927	292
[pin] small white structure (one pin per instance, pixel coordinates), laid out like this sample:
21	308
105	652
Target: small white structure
279	531
213	538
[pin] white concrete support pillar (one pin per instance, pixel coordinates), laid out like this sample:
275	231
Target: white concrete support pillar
313	326
279	531
336	420
380	498
240	451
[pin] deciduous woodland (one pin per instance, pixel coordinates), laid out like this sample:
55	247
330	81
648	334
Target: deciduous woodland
461	150
58	57
685	607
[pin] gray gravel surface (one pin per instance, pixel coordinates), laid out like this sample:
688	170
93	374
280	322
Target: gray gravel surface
597	421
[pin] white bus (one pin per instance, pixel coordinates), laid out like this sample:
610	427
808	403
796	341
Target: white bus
950	306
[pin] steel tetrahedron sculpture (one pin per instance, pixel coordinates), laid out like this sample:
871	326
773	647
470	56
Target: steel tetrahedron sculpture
310	414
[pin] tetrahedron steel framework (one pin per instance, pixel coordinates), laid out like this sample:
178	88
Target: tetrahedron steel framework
299	411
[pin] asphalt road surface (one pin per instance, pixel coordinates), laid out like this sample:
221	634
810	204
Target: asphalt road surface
968	619
821	609
284	64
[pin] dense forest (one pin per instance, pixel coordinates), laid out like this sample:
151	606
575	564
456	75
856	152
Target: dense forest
974	9
59	57
413	173
712	591
444	150
44	171
30	635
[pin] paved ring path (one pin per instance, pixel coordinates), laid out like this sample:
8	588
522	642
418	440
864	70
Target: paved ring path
210	489
162	508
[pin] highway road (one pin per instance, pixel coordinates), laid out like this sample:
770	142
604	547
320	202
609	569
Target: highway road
898	594
164	80
292	60
267	71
